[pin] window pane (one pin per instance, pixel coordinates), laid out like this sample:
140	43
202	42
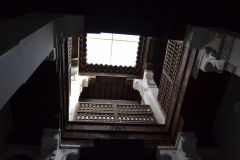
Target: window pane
98	51
125	37
101	36
124	53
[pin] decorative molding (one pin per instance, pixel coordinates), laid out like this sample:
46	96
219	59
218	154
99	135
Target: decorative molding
139	86
214	52
148	77
184	149
77	84
148	91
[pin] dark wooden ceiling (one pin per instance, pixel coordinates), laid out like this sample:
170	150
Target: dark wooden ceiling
141	17
116	88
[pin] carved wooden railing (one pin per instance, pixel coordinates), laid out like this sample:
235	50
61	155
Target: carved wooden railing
114	113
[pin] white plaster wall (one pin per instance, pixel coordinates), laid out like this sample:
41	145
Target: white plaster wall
18	63
149	96
235	56
25	42
202	35
77	84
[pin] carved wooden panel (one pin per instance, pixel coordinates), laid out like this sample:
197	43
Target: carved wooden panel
134	109
170	68
135	114
69	59
136	118
92	107
114	113
164	94
95	117
84	67
172	58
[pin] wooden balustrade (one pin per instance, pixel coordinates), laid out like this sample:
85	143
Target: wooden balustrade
114	113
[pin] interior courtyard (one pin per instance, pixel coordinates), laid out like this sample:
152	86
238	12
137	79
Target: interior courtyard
118	83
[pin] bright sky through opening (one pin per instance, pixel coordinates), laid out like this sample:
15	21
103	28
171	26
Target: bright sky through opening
112	49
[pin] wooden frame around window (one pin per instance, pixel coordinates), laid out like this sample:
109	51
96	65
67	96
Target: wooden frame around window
85	68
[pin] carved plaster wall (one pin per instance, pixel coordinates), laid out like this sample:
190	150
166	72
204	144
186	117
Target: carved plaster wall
184	149
149	91
215	49
77	84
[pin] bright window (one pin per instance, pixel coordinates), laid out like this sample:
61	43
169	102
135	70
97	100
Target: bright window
112	49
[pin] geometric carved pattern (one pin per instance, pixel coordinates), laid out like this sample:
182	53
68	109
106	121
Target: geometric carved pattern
95	117
114	113
69	54
99	68
172	62
173	57
135	109
135	114
164	94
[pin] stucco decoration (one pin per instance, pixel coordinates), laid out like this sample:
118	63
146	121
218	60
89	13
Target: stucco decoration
214	52
139	86
149	78
149	91
184	149
77	84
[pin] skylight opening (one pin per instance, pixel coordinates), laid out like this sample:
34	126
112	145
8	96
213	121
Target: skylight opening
112	49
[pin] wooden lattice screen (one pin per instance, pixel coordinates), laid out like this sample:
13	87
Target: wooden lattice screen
114	113
170	68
